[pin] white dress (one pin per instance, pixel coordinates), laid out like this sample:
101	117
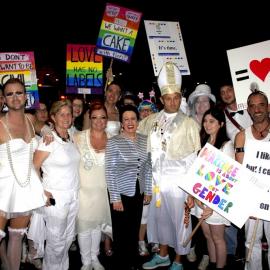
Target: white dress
17	197
94	207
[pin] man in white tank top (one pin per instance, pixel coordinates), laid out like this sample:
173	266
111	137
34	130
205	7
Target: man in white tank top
258	109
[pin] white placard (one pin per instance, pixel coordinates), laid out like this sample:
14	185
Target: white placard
250	69
222	184
256	159
166	45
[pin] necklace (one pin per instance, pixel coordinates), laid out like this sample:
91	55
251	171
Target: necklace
26	182
62	138
90	157
262	131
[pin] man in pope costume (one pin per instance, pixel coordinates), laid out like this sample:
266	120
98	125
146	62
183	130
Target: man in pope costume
174	142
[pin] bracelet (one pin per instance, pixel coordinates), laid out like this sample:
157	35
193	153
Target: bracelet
239	150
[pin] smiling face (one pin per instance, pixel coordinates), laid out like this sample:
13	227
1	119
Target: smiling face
258	108
129	123
77	106
98	120
211	125
63	118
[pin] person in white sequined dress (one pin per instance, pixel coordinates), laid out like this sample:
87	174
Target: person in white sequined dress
94	208
20	188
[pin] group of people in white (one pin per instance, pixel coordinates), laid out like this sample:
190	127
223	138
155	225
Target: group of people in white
118	177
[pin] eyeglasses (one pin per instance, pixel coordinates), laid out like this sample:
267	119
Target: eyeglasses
98	117
17	94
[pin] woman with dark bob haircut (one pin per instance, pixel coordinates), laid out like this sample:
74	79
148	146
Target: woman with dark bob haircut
129	178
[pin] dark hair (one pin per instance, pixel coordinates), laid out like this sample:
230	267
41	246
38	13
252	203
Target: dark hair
79	97
257	93
222	133
95	106
42	102
13	81
126	108
78	121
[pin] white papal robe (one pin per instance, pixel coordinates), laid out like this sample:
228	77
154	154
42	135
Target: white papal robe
174	141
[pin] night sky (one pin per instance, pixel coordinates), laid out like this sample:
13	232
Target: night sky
208	31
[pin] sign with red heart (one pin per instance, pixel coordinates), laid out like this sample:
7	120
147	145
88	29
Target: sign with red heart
260	69
250	70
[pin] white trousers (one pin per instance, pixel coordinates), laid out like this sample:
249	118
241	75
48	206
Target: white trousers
145	214
60	232
255	262
89	243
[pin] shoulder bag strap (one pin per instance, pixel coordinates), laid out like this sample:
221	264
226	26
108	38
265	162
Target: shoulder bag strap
233	120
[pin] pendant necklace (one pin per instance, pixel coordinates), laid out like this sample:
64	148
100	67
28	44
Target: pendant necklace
261	132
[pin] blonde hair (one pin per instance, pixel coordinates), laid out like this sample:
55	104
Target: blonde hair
57	105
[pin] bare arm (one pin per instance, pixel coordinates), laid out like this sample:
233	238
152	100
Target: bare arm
39	158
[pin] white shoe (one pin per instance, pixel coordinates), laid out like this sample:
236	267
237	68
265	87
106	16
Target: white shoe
204	262
97	265
87	267
191	256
